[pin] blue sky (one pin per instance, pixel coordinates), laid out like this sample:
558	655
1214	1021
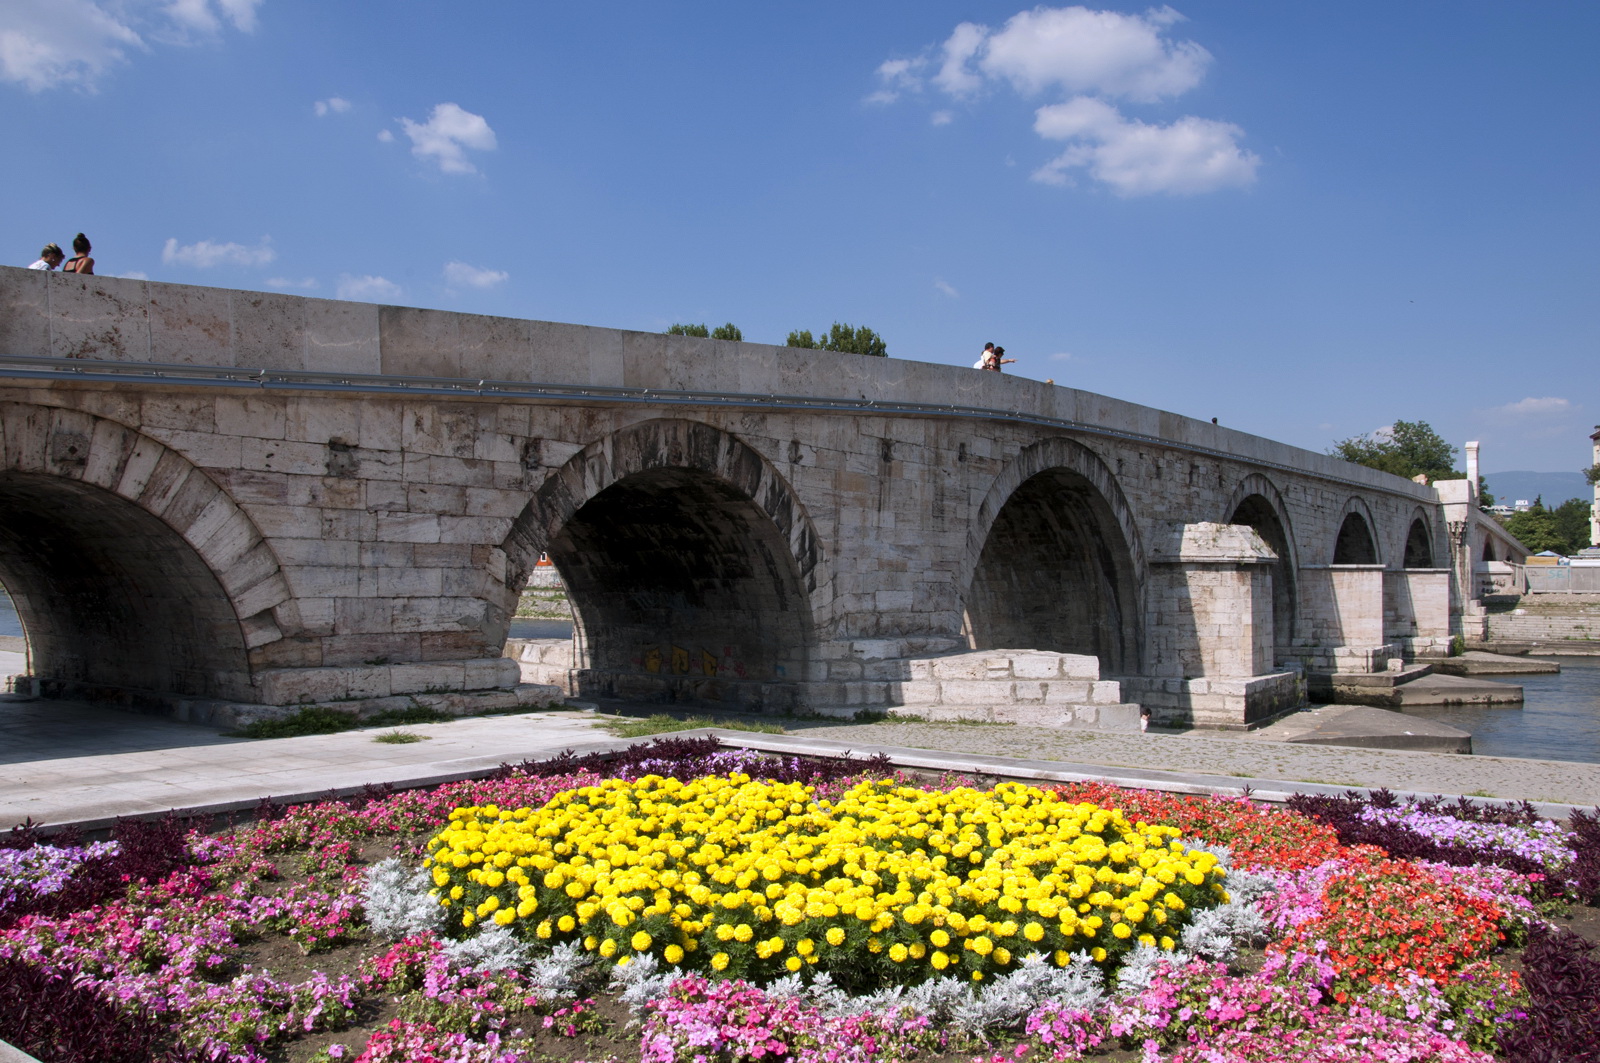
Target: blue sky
1306	220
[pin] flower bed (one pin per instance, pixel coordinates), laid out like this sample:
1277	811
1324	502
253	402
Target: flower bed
683	903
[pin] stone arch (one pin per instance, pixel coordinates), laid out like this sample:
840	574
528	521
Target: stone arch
1054	560
1258	503
1419	543
133	572
690	561
1356	542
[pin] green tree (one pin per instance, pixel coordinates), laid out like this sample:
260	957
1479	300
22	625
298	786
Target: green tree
847	338
730	331
1410	448
1592	474
1572	523
1564	529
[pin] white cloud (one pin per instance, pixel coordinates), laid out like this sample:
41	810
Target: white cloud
331	105
1078	50
304	284
959	50
367	289
135	275
1089	58
385	136
1190	156
1532	407
446	136
205	254
1061	356
202	15
461	275
47	44
945	289
897	75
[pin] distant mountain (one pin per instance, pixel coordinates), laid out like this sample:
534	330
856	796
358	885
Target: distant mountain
1556	487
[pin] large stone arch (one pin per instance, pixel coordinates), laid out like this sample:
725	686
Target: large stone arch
1054	560
133	572
1357	541
1258	503
691	564
1421	549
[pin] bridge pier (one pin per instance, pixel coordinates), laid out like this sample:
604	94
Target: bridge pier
1212	632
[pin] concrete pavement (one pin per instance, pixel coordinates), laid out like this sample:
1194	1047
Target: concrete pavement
62	762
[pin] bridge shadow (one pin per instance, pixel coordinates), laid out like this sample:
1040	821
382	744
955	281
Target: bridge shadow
36	729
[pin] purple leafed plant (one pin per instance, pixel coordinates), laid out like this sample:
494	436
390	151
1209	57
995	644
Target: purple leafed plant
51	1018
690	758
1562	1024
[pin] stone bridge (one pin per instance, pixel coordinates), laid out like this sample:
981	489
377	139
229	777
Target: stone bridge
213	501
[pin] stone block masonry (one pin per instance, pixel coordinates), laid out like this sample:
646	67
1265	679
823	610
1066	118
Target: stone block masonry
268	500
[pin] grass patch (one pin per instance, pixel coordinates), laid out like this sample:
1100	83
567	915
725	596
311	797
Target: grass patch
661	723
317	720
399	738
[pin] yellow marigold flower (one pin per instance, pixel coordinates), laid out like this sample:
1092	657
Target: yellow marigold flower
1122	930
672	954
567	924
835	936
898	952
640	941
1098	954
793	963
805	946
456	893
719	962
1033	932
939	960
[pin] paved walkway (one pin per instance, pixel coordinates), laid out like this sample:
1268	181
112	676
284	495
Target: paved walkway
71	763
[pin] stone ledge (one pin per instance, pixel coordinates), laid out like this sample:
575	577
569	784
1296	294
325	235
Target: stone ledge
218	713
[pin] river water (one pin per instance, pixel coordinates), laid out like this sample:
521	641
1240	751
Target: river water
1559	718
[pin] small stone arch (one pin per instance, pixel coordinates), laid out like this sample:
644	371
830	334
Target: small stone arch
1356	542
1055	516
132	570
690	562
1419	551
1258	503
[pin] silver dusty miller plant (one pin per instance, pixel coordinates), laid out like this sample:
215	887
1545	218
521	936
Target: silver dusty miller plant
397	901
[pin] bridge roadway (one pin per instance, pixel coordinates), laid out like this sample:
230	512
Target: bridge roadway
228	504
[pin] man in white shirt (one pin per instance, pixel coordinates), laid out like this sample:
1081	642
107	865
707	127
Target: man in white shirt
51	257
